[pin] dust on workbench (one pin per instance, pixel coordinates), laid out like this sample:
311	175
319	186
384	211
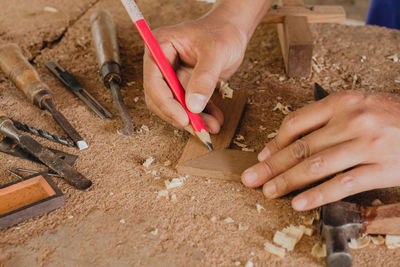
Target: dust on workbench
121	220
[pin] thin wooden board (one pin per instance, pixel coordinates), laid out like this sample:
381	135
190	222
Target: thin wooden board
296	45
232	109
22	200
314	14
226	164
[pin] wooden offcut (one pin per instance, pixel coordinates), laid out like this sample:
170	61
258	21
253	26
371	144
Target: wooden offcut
22	200
221	163
293	18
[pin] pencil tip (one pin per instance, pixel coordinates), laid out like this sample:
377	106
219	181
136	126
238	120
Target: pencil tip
210	146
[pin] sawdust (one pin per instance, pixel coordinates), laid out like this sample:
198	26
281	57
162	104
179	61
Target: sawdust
187	234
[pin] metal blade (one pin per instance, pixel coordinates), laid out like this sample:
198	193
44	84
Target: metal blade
65	125
122	110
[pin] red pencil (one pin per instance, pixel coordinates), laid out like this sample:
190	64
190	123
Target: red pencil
166	69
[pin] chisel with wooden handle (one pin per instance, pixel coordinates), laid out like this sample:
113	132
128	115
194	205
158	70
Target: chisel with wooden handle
45	155
106	45
25	77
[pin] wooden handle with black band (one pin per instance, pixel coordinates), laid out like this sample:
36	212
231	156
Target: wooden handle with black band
22	74
383	219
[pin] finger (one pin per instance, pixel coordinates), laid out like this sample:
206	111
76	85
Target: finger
357	180
202	83
297	123
210	122
291	155
212	109
323	164
157	90
150	104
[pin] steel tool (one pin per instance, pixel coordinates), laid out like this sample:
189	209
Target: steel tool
342	221
106	46
45	155
74	86
9	146
25	77
39	132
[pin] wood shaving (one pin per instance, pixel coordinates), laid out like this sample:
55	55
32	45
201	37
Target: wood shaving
167	163
262	128
213	219
284	109
259	208
162	193
228	220
315	65
122	221
239	144
394	57
308	220
319	250
70	217
239	137
392	241
273	134
363	59
308	231
154	232
285	240
282	78
145	128
175	182
294	231
377	240
243	227
136	99
246	149
225	90
237	263
154	172
277	251
130	83
377	202
249	264
148	162
361	242
173	198
50	9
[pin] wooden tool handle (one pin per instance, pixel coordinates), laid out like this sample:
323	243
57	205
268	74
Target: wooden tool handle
22	74
104	37
383	219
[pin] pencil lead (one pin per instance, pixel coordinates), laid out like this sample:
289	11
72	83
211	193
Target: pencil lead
210	146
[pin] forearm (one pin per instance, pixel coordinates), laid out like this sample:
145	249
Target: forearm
245	15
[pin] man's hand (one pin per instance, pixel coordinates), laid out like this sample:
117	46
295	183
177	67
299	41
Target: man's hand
350	133
202	52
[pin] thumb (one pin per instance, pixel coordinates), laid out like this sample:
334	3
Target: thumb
202	83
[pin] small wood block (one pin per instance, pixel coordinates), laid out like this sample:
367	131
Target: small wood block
22	200
314	14
383	219
222	163
296	45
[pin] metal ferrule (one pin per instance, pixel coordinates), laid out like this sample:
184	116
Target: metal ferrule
8	129
42	96
111	71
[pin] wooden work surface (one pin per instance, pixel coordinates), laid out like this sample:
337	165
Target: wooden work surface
114	223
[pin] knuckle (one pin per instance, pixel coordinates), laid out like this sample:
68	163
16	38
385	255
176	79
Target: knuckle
348	183
315	165
282	184
268	168
350	97
363	120
300	149
316	196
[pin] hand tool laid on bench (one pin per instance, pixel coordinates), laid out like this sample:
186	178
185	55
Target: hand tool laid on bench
75	87
9	146
107	51
43	154
44	134
33	196
25	77
342	221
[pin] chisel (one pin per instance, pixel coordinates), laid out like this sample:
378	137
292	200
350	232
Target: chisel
25	77
46	156
106	45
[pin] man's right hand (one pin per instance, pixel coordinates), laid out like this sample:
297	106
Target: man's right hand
201	52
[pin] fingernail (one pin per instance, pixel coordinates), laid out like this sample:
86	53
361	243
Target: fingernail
189	129
269	189
196	102
250	177
263	155
300	203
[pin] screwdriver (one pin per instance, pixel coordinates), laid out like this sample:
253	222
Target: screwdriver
106	46
25	77
42	153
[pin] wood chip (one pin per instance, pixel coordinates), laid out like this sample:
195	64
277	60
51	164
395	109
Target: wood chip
318	250
154	232
162	193
273	134
262	128
285	240
228	220
259	208
249	264
173	198
122	221
243	227
213	219
308	220
167	163
136	99
358	243
277	251
239	144
247	149
225	90
239	137
294	231
377	240
148	162
175	182
308	231
284	109
377	202
394	57
392	241
237	263
50	9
